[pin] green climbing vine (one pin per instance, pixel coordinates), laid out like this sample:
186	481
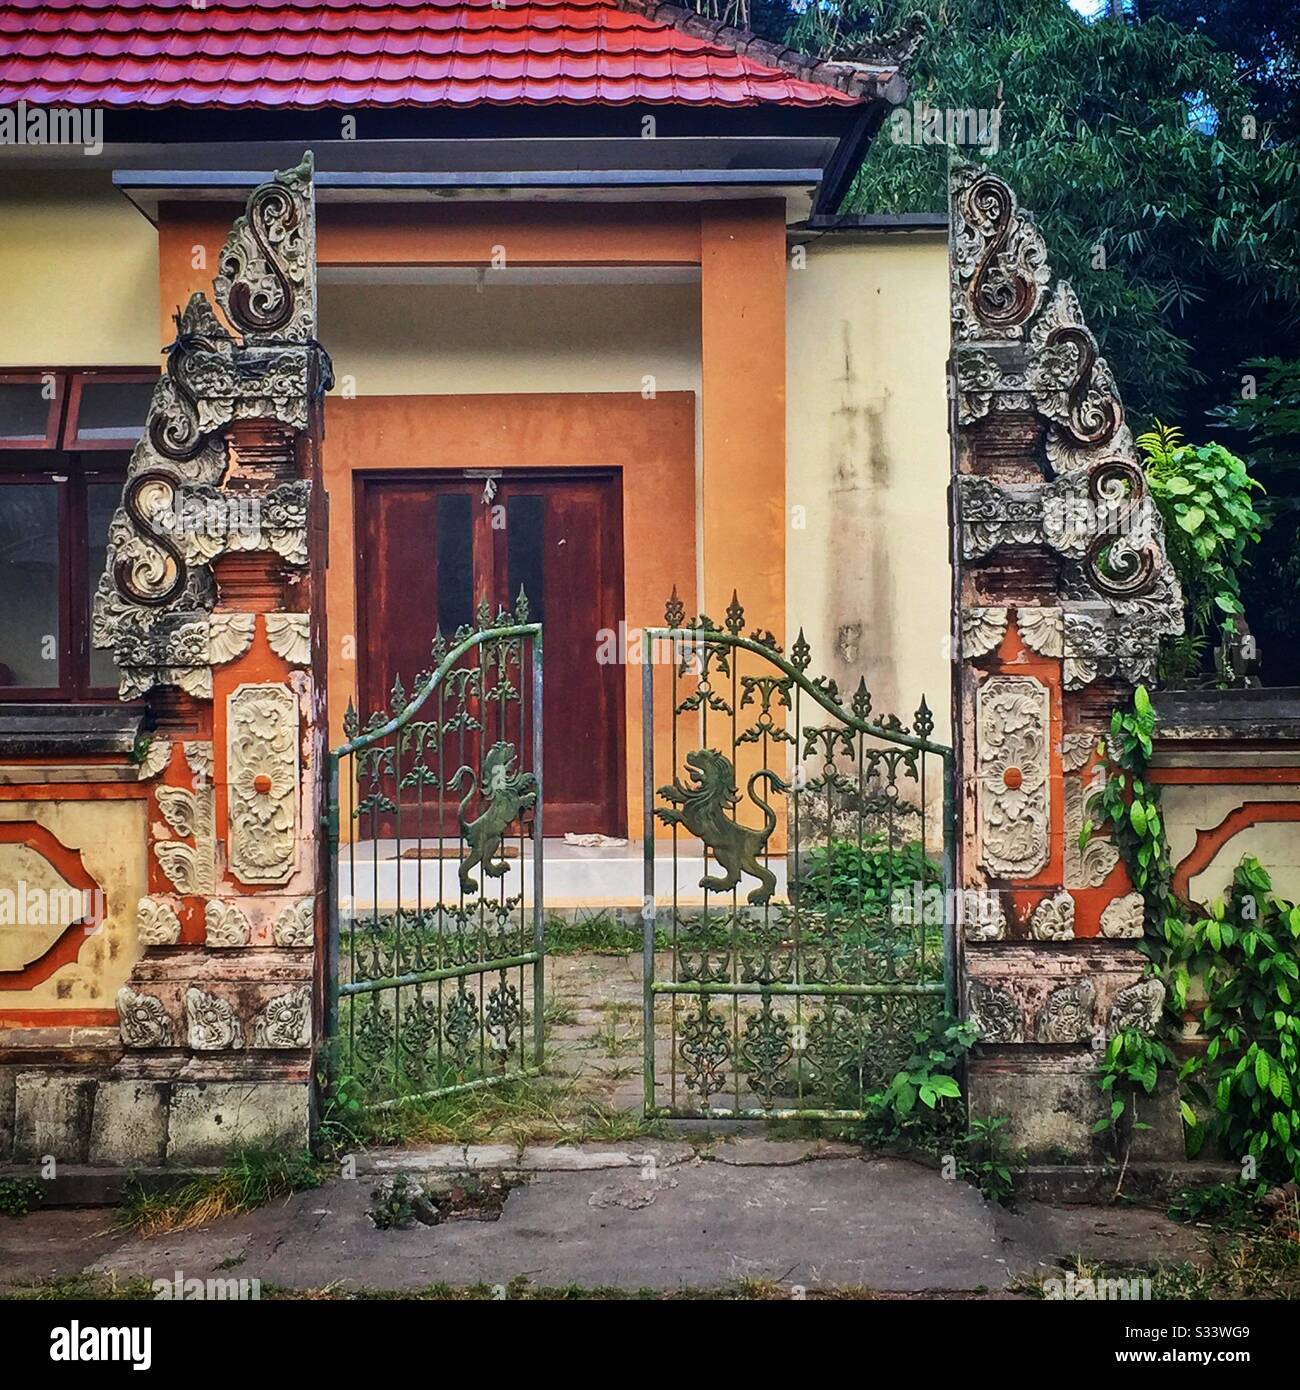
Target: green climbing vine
1244	956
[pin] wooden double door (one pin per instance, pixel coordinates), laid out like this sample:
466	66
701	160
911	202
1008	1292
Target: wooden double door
431	545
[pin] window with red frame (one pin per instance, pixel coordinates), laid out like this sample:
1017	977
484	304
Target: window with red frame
65	440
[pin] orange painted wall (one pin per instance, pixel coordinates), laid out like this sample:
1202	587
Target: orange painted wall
742	304
530	234
740	512
651	441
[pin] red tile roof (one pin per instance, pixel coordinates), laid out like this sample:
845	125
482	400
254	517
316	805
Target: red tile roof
296	54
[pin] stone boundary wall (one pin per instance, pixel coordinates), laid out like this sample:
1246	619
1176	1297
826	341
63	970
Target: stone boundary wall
209	604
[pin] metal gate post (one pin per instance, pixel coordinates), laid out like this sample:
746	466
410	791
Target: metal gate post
648	887
539	913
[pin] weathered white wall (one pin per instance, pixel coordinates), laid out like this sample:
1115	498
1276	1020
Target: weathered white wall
868	466
79	266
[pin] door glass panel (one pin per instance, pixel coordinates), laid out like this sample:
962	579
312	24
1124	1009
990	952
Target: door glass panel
29	580
101	502
454	550
525	538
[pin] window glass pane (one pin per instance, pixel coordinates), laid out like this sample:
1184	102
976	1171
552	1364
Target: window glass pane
29	582
101	502
524	534
454	549
112	410
24	411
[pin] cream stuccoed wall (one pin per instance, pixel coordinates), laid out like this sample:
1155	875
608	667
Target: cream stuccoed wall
868	465
429	339
79	266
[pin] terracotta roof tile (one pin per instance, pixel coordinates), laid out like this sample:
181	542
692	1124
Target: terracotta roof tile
311	53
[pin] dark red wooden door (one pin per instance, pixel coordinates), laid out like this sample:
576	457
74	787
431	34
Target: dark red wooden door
429	546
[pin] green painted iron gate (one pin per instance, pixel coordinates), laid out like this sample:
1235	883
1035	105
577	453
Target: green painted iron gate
436	966
798	931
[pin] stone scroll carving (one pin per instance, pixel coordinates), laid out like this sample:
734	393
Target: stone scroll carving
1020	344
262	776
1067	1015
289	635
1012	721
143	1019
156	923
154	602
996	1012
1053	919
225	924
284	1022
212	1023
295	925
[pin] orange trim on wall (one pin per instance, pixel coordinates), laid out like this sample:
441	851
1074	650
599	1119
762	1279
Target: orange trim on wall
532	234
58	1018
652	443
1224	776
74	791
1210	842
742	346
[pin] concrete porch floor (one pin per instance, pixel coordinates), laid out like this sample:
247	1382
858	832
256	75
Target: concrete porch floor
599	876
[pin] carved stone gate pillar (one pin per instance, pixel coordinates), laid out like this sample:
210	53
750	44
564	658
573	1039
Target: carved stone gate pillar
212	604
1063	593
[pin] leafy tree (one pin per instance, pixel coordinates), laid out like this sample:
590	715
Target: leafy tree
1148	144
1264	38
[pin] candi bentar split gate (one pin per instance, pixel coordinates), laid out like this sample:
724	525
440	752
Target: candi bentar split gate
819	836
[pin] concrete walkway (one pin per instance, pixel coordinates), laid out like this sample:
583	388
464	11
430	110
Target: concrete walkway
659	1215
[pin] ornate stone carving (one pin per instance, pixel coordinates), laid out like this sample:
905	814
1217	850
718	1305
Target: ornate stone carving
156	923
225	924
1087	866
143	1020
1053	919
991	925
996	1012
982	629
1076	749
1139	1006
295	925
285	1021
212	1023
290	637
1012	763
262	773
1067	1014
1121	643
1020	344
153	605
1041	630
198	756
156	757
190	868
266	281
1123	918
229	635
999	259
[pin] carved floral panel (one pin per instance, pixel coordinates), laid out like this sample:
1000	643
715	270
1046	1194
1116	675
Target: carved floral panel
1012	790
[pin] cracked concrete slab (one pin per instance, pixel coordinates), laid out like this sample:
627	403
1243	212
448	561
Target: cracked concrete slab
885	1224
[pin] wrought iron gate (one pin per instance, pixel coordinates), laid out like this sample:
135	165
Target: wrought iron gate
436	965
805	995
